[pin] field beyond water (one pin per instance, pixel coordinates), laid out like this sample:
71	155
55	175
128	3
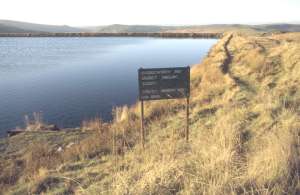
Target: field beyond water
244	134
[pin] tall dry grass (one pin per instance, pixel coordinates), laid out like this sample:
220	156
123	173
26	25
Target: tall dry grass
245	136
244	129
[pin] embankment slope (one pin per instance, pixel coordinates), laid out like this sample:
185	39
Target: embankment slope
245	127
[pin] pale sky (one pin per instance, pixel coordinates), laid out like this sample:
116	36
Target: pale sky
164	12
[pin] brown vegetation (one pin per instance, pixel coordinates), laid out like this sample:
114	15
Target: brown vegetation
245	108
37	123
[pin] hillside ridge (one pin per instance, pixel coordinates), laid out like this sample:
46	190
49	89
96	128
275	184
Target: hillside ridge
9	26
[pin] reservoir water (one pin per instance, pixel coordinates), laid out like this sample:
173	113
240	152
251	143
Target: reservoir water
72	79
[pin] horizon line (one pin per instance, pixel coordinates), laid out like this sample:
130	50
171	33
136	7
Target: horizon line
206	24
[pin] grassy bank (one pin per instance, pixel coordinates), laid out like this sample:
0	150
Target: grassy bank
244	134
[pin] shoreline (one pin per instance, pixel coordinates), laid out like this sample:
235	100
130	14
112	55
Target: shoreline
163	35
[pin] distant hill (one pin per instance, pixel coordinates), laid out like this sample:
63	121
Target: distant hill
116	28
8	26
214	28
220	28
279	27
10	29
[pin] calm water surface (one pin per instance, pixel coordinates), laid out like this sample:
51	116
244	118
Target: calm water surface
71	79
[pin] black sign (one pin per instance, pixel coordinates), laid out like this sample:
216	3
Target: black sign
164	83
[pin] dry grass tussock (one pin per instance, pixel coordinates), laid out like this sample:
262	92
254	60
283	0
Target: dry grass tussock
37	123
245	128
34	124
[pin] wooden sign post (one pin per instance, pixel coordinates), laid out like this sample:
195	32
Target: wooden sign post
187	119
164	83
142	133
